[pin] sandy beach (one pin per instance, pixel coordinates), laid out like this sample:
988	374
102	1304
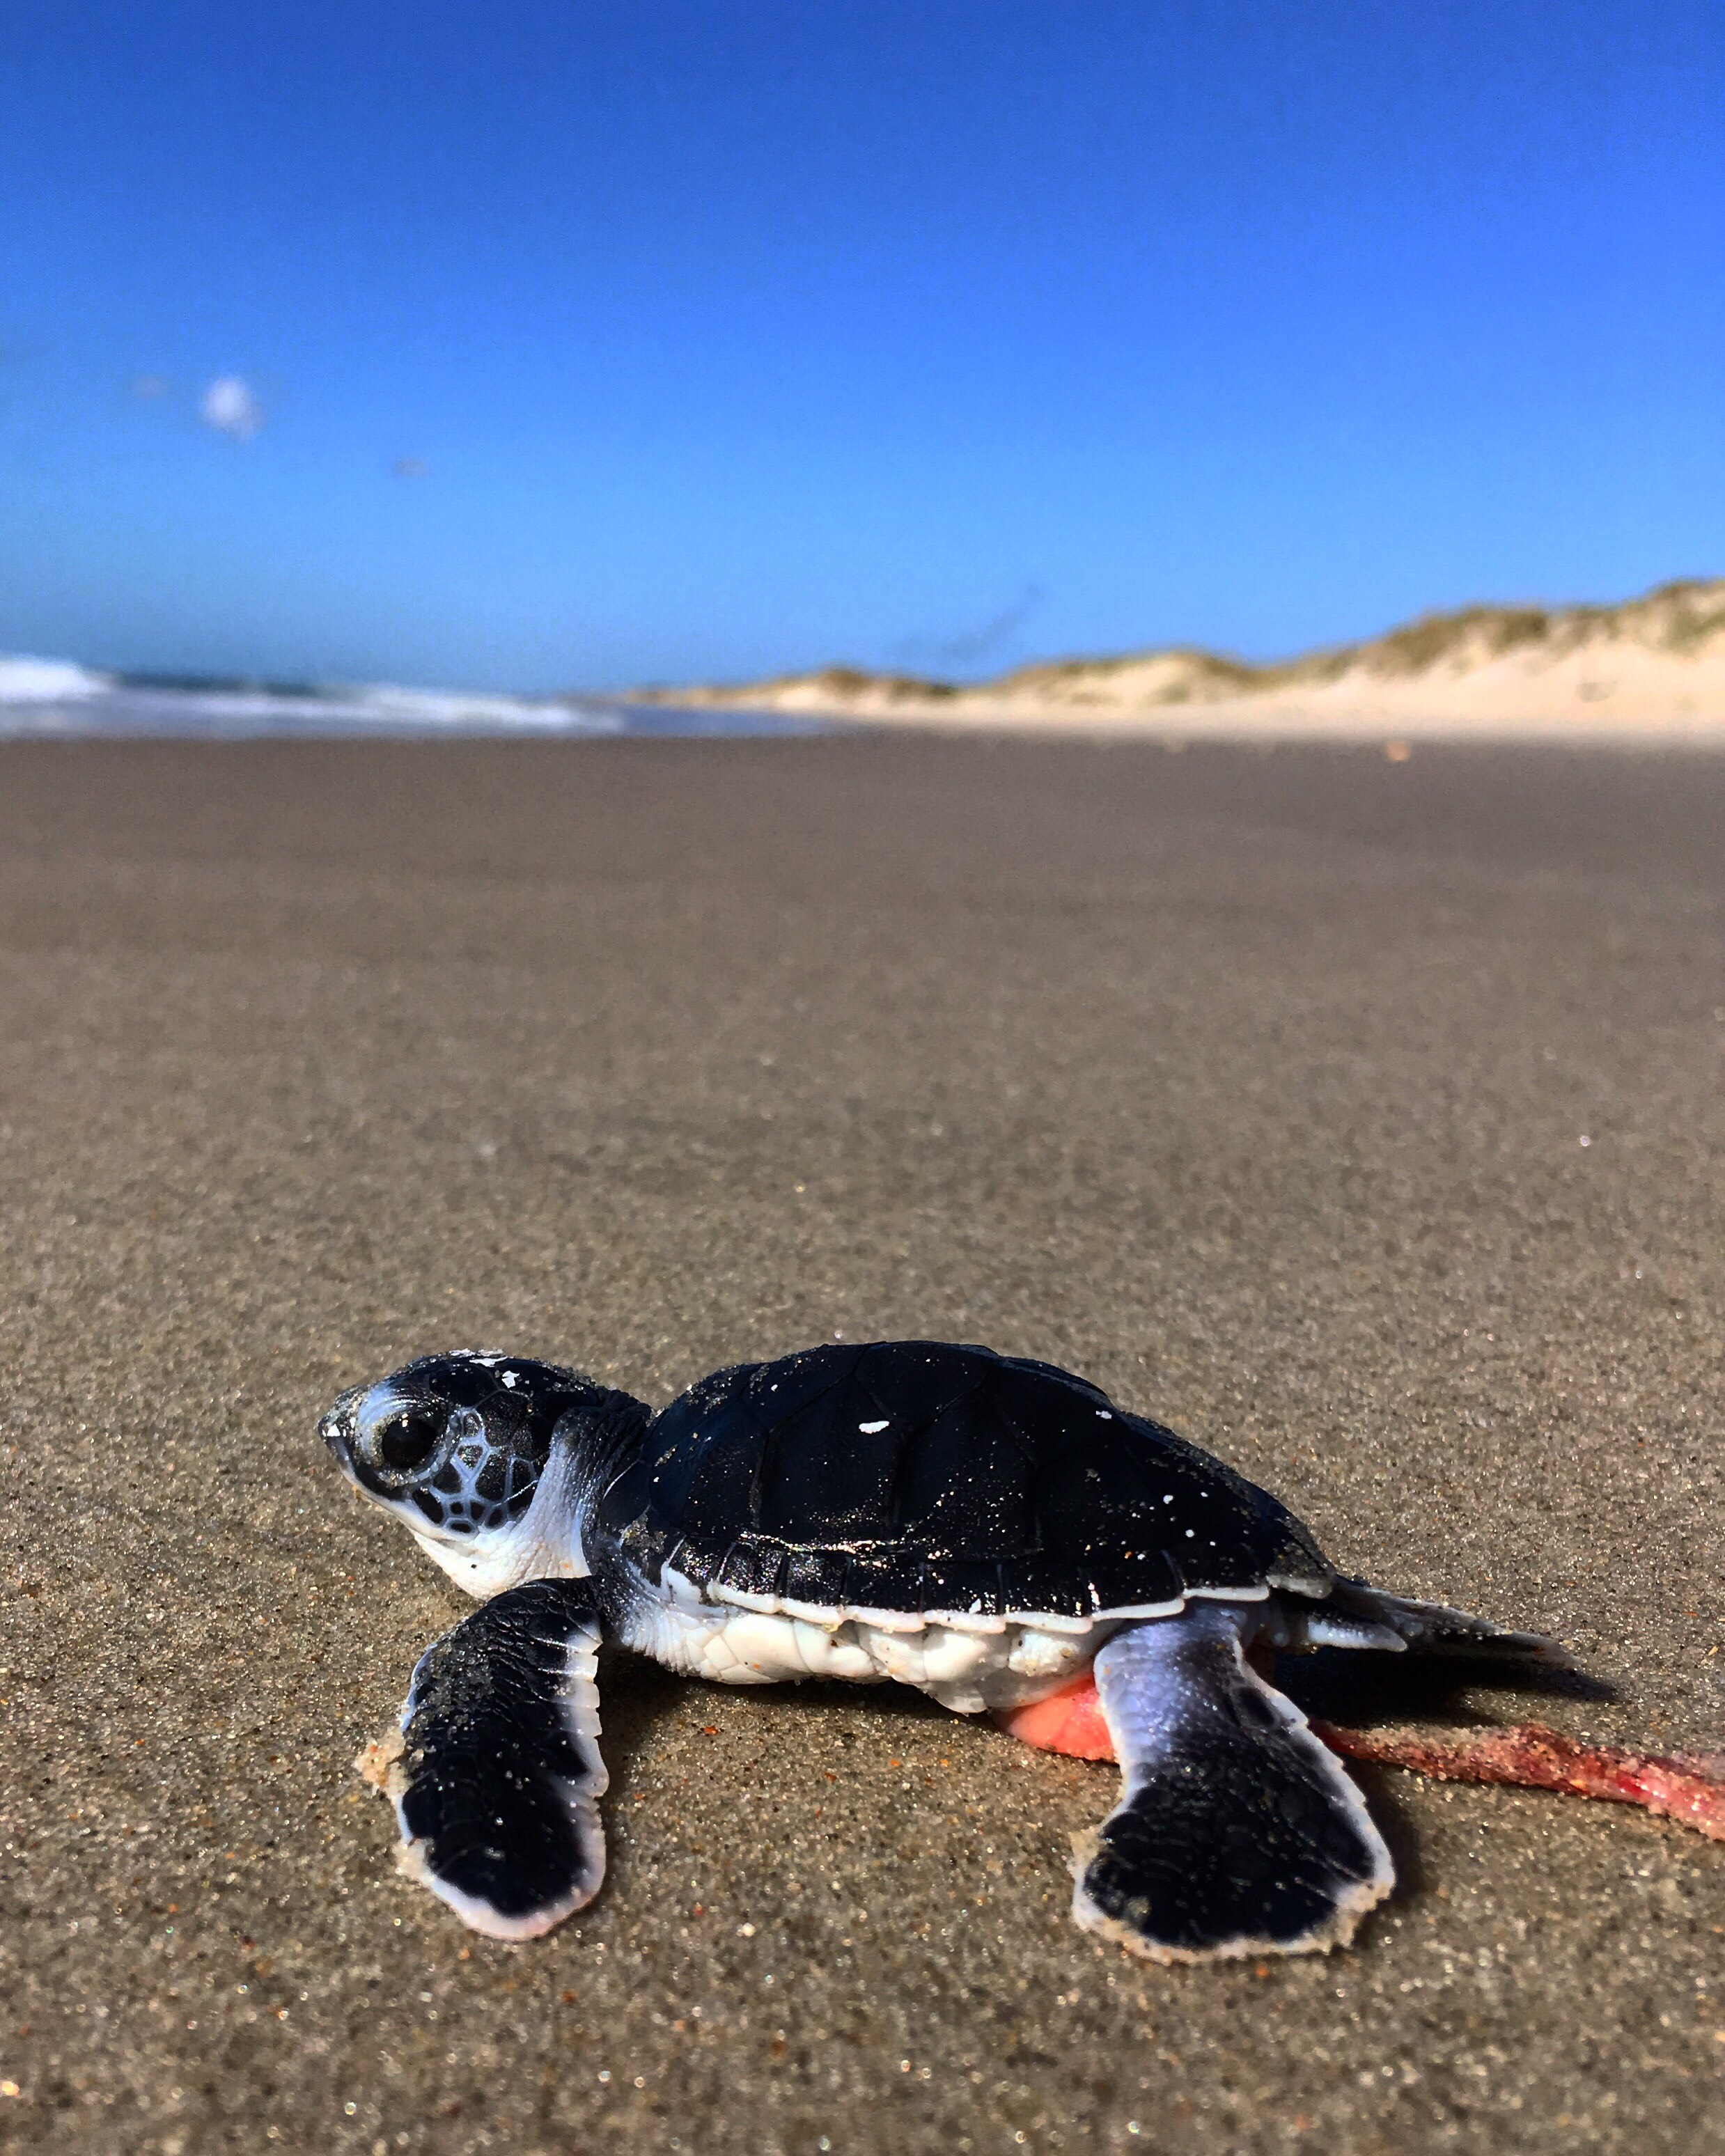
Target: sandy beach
1362	1118
1648	672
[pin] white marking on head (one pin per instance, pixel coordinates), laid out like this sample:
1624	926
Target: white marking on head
543	1543
871	1429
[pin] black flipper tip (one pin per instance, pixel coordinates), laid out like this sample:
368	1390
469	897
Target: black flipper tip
1238	1834
1107	1899
495	1774
431	1865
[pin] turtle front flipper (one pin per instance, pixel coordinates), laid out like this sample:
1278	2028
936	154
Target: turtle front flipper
497	1778
1239	1833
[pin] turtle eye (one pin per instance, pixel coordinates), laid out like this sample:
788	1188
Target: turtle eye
408	1438
397	1438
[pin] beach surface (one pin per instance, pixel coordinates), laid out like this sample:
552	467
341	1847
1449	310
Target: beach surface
1362	1118
1647	672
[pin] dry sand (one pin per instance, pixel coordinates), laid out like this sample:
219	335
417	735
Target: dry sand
1651	670
1254	1087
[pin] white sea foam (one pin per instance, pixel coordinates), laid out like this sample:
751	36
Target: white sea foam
26	680
56	698
452	707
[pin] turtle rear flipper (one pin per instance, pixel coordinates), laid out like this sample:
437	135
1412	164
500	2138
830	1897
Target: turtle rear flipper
1433	1628
497	1781
1238	1832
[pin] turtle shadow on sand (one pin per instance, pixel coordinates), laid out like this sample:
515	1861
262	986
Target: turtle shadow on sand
641	1698
1336	1686
1361	1691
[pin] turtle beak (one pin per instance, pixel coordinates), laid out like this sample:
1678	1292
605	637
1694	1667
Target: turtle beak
335	1428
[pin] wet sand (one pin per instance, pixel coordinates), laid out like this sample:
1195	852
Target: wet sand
1253	1086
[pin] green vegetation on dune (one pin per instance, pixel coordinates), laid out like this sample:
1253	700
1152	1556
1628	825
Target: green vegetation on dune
1679	618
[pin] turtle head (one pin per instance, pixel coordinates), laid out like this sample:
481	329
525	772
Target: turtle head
459	1447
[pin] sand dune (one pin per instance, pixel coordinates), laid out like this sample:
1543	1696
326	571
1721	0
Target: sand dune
1652	667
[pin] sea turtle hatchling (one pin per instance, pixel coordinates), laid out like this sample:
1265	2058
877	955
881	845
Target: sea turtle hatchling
993	1530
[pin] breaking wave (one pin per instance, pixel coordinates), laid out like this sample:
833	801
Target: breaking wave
59	699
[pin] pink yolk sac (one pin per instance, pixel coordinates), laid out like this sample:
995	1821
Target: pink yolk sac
1068	1720
1528	1756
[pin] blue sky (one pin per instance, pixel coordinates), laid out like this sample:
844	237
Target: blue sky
580	344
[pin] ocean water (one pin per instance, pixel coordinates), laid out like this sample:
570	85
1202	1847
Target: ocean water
56	699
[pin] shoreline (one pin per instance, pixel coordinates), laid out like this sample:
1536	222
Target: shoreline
1243	723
